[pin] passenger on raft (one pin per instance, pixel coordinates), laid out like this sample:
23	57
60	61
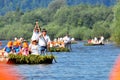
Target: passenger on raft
25	49
67	41
59	42
34	47
8	49
101	41
44	41
36	32
16	47
96	40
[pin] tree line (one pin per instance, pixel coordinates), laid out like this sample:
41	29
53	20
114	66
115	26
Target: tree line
82	21
26	5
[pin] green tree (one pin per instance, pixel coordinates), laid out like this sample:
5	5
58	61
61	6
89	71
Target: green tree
116	24
16	30
100	29
56	4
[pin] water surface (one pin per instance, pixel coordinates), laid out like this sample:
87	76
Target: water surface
83	63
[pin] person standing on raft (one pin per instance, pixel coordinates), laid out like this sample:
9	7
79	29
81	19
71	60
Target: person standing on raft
67	41
36	32
43	42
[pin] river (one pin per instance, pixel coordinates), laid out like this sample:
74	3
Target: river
82	63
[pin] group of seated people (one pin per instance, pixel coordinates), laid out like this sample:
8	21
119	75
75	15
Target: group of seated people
19	46
96	40
15	47
22	48
61	42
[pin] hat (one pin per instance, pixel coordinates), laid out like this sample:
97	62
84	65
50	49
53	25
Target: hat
35	41
25	44
44	30
15	43
19	43
9	43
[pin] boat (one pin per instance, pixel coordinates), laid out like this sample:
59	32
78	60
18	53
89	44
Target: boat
58	49
91	44
30	59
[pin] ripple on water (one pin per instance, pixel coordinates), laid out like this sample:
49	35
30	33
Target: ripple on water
83	63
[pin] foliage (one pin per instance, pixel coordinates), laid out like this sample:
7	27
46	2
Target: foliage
58	49
27	5
16	30
30	59
82	21
100	29
116	24
56	4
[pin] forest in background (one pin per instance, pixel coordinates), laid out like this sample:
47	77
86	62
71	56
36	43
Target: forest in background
83	21
27	5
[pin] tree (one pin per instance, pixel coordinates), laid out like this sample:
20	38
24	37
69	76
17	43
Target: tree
100	29
116	24
56	4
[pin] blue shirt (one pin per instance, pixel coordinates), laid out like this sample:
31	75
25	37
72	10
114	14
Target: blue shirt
17	49
8	49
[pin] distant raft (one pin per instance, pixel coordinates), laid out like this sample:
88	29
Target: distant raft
90	44
58	49
30	59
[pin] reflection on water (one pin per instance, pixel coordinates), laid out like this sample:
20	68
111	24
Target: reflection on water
83	63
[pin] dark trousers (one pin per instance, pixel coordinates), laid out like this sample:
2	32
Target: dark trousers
68	45
43	49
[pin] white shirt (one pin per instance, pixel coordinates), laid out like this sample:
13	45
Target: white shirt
95	39
44	41
35	35
34	49
66	39
73	39
102	38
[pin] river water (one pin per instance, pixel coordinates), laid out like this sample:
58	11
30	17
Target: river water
82	63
